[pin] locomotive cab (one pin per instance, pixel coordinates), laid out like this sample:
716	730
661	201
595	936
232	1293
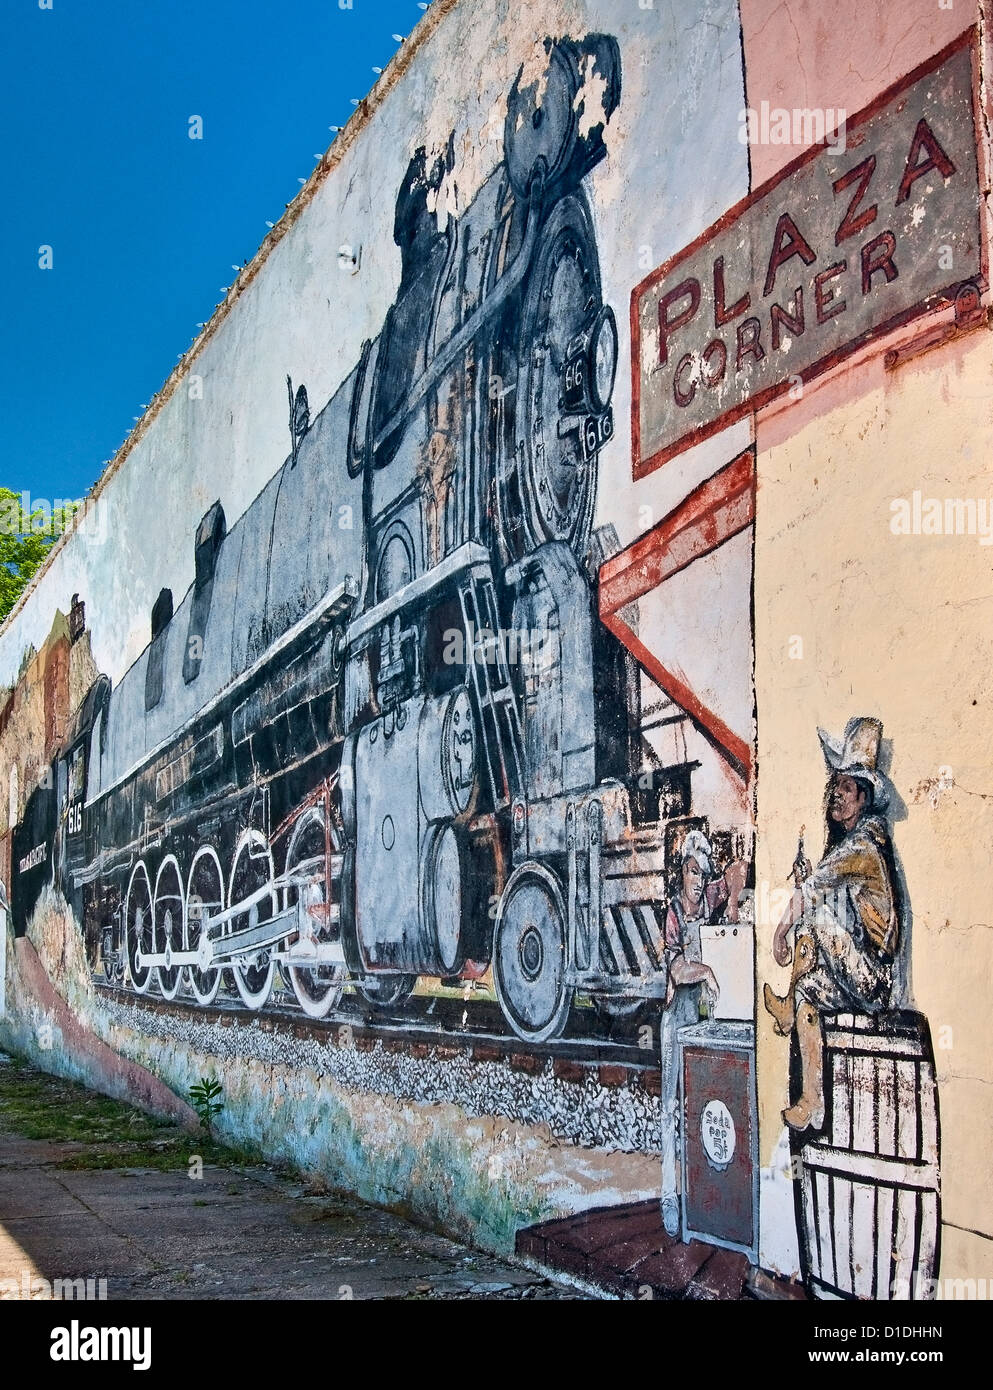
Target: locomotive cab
75	781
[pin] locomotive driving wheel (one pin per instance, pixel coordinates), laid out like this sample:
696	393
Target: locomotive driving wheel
252	869
138	928
551	492
204	899
315	854
168	916
530	956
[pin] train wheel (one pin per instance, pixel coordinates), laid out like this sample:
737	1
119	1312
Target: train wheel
252	870
387	991
529	955
204	898
317	988
168	916
138	928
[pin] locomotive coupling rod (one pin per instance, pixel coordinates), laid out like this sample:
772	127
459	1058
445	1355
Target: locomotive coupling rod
294	878
454	348
304	954
145	959
268	933
218	950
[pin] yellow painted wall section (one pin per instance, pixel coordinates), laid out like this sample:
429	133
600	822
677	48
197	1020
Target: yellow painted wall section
900	627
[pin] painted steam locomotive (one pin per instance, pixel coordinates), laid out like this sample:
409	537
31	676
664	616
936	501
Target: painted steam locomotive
368	753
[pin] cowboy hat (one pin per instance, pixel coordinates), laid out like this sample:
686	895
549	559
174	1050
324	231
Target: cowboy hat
857	755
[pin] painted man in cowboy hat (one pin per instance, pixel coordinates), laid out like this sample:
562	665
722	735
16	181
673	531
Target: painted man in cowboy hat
845	912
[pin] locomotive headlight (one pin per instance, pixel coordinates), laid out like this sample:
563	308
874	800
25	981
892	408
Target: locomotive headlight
603	358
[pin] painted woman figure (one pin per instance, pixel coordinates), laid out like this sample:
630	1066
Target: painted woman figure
846	913
699	898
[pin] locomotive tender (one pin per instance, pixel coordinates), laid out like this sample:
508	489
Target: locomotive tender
303	771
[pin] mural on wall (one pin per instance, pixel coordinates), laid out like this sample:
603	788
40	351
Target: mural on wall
710	340
405	750
421	730
385	748
865	1114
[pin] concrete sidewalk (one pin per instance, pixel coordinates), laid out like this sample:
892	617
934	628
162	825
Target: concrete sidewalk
237	1232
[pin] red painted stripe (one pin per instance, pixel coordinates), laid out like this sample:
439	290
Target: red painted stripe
718	509
737	751
712	514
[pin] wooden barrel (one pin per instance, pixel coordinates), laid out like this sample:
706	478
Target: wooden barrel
869	1190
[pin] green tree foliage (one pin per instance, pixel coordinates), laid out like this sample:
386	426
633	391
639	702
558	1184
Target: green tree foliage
25	540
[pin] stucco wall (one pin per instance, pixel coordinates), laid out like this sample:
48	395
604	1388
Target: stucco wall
812	612
893	623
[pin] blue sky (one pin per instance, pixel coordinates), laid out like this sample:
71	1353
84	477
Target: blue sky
145	223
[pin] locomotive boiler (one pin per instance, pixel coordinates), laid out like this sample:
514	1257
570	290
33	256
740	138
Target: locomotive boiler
363	754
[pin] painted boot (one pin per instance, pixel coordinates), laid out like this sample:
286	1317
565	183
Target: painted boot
783	1010
808	1111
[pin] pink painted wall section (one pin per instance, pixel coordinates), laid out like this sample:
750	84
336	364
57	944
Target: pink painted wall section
103	1068
839	56
802	57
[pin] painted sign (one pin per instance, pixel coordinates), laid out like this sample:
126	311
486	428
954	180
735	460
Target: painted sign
717	1134
851	239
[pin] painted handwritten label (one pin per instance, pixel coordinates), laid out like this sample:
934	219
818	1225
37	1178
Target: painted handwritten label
717	1133
33	859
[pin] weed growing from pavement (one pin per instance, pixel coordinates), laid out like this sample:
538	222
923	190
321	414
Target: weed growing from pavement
205	1099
